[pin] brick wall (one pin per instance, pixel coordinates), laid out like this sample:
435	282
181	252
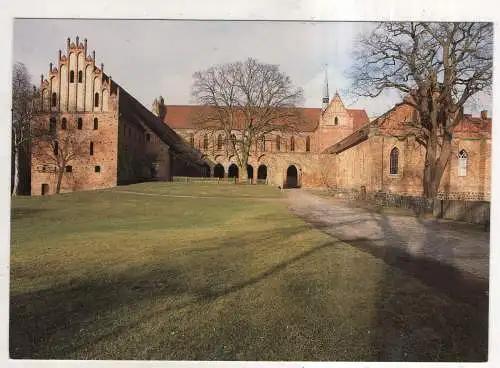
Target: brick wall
83	175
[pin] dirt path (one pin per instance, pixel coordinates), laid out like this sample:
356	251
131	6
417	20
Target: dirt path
439	250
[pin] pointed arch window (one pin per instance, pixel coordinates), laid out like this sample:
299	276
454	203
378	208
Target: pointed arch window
219	142
91	149
394	161
79	124
336	121
292	144
56	148
308	144
278	143
54	99
96	123
205	141
72	76
96	99
64	123
80	76
462	163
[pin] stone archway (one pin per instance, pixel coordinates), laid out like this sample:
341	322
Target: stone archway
292	177
218	171
250	172
262	172
233	172
206	171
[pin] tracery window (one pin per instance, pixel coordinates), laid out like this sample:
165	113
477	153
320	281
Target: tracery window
462	163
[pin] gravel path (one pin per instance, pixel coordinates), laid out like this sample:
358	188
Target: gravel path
441	244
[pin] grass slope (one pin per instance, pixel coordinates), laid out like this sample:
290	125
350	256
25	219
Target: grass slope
119	275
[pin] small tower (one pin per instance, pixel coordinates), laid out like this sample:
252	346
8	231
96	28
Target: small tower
326	96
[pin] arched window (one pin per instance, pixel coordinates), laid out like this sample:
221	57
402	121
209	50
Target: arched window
292	144
54	99
96	99
219	141
79	124
91	149
278	143
394	161
64	123
205	141
56	148
308	144
80	76
72	76
191	139
462	163
96	123
336	121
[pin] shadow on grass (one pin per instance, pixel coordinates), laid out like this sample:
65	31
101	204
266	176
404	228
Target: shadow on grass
25	212
450	323
51	323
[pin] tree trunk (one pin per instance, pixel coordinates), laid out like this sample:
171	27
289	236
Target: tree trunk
435	166
15	188
243	174
60	174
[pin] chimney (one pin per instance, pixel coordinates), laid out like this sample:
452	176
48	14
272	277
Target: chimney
85	47
67	44
77	39
484	114
93	57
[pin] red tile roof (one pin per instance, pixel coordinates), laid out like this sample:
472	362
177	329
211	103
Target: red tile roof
473	127
359	116
182	117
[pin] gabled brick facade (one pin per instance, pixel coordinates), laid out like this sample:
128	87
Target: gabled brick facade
114	139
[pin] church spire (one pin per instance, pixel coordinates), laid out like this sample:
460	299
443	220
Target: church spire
326	96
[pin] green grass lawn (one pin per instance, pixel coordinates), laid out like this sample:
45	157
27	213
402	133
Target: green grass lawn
117	275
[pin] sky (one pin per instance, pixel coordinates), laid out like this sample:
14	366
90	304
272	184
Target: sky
150	58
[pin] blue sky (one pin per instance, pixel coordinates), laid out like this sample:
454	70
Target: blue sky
158	57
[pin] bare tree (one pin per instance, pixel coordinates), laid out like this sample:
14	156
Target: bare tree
245	101
438	67
22	114
56	147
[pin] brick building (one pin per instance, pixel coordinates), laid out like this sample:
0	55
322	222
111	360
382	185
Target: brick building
96	134
112	140
339	148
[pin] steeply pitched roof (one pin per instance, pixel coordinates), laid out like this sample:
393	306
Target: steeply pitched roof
359	116
474	127
134	110
469	127
183	117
